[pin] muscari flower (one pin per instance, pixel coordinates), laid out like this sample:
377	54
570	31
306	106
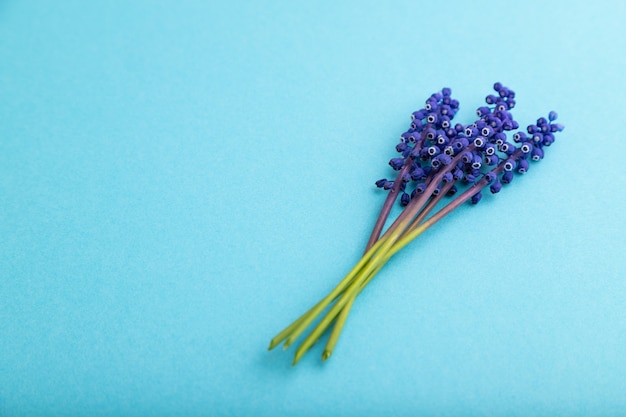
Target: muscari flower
437	161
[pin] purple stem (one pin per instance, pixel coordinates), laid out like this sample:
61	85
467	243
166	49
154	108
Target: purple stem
391	198
467	194
417	203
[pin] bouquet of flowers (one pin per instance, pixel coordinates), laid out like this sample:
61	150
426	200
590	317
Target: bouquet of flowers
440	166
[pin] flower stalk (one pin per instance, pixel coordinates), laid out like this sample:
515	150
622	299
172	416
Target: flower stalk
437	160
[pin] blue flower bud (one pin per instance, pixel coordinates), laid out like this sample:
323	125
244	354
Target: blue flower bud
467	157
396	163
497	86
526	147
404	199
430	133
536	154
487	131
459	127
418	115
380	183
445	122
471	132
476	197
469	177
388	185
437	190
537	137
401	147
460	143
477	161
489	149
519	137
457	174
491	160
447	177
416	124
436	96
495	187
558	127
446	91
418	173
420	188
552	116
496	123
433	150
454	104
479	142
452	191
483	111
406	177
443	159
510	164
499	138
532	129
507	177
490	177
507	148
414	137
548	139
491	99
432	118
522	166
442	140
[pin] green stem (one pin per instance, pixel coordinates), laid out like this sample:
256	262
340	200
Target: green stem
294	330
332	313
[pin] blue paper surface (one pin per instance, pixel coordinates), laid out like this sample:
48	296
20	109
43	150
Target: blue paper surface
180	180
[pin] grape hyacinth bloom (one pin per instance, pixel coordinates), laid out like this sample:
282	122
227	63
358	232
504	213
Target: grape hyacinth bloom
441	166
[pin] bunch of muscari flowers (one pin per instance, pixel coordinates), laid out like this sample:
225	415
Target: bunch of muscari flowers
437	160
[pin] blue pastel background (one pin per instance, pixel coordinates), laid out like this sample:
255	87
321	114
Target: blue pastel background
179	180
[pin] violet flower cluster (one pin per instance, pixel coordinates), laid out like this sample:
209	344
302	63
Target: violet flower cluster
436	159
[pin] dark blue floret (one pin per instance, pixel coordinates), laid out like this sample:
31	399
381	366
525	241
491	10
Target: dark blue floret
536	154
522	166
476	198
495	187
396	163
404	199
507	177
388	185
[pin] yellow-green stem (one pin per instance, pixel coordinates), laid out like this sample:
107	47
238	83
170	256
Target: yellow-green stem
293	331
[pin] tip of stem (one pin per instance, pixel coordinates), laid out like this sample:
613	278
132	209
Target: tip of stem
327	354
272	345
296	358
